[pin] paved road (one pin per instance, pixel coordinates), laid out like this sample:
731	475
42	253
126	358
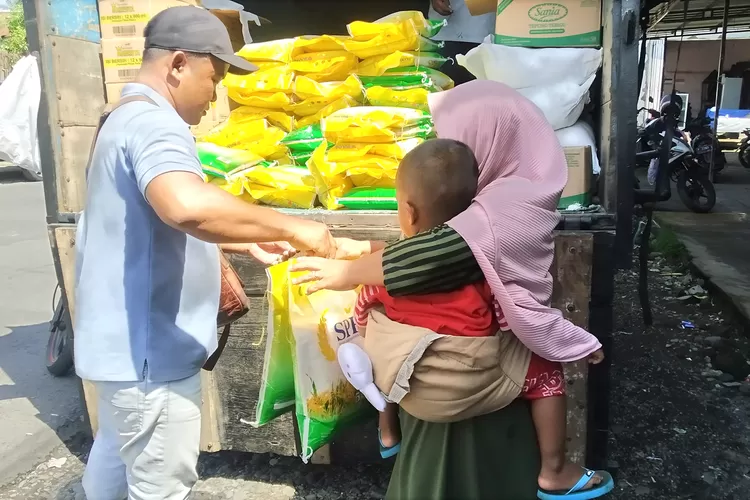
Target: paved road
34	407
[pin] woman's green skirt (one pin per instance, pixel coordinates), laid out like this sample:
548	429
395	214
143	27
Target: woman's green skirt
492	457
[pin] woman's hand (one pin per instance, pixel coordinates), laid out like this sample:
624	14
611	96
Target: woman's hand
266	253
324	274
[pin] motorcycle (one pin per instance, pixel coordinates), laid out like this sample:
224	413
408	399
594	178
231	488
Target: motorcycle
59	359
704	144
694	188
744	150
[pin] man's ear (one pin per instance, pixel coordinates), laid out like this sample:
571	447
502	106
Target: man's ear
177	64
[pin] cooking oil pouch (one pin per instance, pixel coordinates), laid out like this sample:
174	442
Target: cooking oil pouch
276	395
304	140
344	102
400	82
325	402
329	187
270	80
231	186
278	118
292	197
368	198
267	100
378	65
322	43
280	177
408	20
412	98
375	124
328	66
440	80
391	41
352	151
224	159
299	159
372	177
274	51
306	88
256	136
361	165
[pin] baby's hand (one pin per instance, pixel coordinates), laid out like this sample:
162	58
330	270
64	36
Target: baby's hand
596	357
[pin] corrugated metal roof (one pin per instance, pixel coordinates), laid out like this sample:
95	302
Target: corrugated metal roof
703	16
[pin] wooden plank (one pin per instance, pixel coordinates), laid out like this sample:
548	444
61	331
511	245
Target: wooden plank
75	144
571	271
211	423
76	68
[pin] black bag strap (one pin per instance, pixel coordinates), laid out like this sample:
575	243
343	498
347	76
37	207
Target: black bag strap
211	361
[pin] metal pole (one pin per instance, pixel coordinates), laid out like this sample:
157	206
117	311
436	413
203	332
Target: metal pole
719	89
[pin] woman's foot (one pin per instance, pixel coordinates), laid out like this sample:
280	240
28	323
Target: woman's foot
389	437
565	477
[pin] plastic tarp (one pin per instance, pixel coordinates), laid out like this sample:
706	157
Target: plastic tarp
20	93
555	79
731	121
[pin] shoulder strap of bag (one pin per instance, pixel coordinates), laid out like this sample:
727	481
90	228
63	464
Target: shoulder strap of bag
108	110
214	358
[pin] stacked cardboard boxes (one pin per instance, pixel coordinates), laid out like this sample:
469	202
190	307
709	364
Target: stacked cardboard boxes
122	23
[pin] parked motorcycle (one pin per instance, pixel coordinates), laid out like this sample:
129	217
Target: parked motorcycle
60	344
705	144
744	150
696	191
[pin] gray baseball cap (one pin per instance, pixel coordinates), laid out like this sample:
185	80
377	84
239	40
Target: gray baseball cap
193	29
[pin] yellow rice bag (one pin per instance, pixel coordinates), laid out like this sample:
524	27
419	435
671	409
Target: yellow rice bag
411	98
334	65
267	100
341	103
273	51
277	118
323	43
272	80
329	187
412	20
396	150
378	65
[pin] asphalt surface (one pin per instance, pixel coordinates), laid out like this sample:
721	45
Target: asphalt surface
36	409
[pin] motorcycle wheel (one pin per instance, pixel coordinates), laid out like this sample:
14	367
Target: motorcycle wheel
59	359
744	157
696	191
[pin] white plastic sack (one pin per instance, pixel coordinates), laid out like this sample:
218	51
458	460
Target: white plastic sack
20	93
557	80
580	134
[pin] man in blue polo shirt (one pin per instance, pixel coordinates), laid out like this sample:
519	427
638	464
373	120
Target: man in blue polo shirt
148	274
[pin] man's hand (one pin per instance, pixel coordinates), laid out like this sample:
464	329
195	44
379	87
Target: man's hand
596	357
324	274
313	238
349	249
265	253
442	7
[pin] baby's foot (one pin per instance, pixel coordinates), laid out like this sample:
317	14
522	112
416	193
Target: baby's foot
564	478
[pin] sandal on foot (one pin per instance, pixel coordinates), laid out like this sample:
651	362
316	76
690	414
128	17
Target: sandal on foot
578	493
388	452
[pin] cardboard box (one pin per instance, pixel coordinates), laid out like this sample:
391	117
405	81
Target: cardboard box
580	170
217	114
122	58
480	7
128	18
559	23
113	92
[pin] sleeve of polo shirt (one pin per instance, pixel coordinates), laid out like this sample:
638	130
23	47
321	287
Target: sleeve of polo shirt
162	145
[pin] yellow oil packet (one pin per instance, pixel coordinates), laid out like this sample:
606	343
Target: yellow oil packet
267	100
281	198
349	152
376	124
280	79
411	98
378	65
372	177
335	65
273	51
281	119
341	103
328	187
407	21
308	88
322	43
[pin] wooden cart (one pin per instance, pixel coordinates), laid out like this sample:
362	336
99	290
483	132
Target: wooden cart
64	35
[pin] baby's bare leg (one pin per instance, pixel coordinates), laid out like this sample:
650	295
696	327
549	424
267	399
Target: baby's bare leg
390	430
557	472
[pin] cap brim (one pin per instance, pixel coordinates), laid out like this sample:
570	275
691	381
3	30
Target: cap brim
237	65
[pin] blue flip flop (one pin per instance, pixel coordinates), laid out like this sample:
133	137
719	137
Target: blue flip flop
388	452
578	493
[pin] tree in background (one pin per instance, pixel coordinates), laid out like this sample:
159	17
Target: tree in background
15	42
